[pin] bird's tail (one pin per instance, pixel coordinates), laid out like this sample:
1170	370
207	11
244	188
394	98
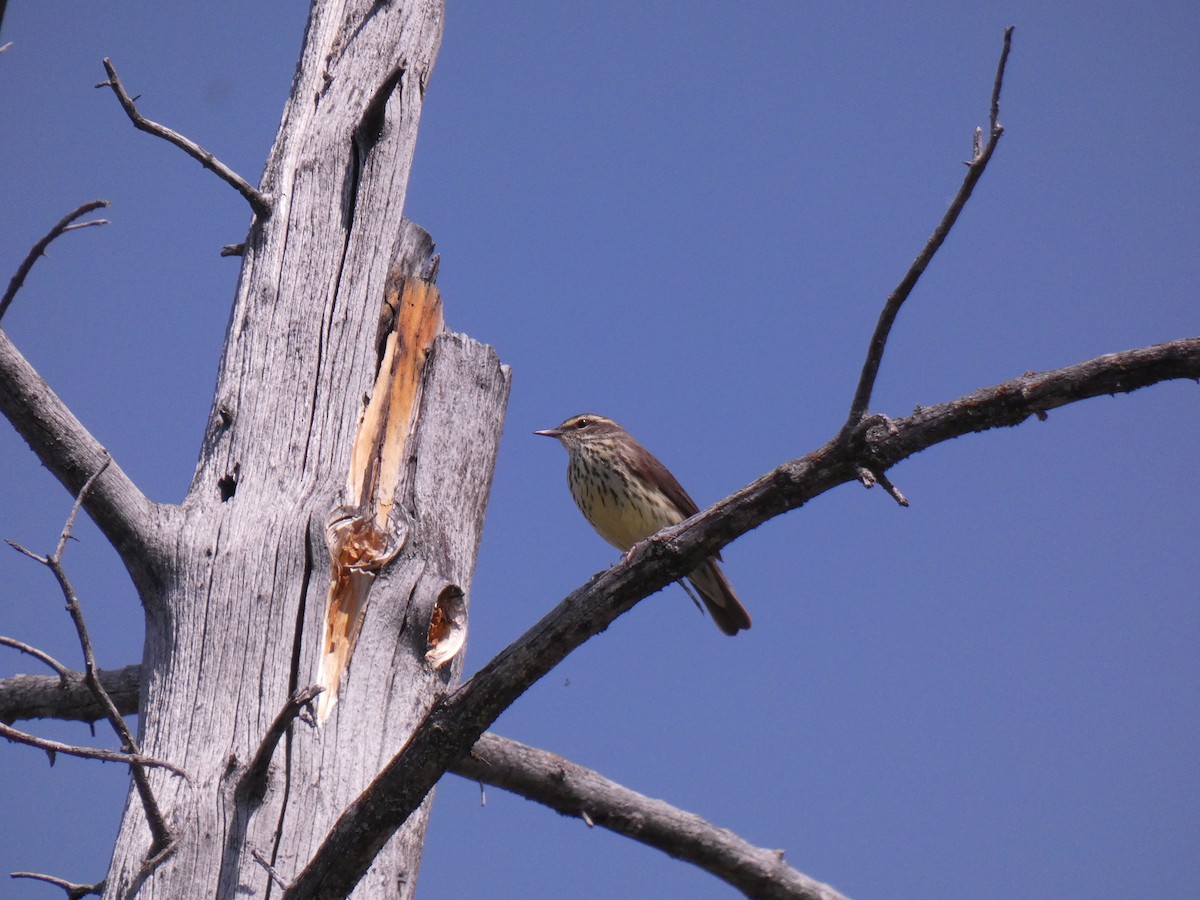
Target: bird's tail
718	596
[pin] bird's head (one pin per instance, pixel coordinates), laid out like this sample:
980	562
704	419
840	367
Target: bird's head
583	429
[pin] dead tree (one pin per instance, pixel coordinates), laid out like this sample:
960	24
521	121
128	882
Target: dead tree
306	498
335	514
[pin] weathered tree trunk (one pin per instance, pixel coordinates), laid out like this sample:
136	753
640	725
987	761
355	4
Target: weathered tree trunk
236	604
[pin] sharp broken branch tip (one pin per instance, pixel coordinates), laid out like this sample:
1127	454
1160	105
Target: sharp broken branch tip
997	129
26	551
893	491
87	224
271	870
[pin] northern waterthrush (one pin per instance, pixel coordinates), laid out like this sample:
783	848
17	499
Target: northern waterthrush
627	495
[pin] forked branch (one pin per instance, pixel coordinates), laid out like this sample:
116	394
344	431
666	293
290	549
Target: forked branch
257	200
65	224
159	830
883	328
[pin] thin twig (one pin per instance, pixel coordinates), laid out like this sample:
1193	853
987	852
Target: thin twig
74	891
258	201
64	225
253	784
65	534
995	116
64	674
159	830
893	491
271	870
118	756
975	169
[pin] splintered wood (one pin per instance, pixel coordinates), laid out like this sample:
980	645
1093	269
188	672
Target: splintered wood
447	626
371	529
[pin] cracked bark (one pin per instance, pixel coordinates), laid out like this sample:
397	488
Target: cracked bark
236	629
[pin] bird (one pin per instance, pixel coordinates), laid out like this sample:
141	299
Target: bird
627	495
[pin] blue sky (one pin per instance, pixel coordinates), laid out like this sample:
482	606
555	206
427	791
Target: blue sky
686	217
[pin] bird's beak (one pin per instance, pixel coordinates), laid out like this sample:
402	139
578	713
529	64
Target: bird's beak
550	432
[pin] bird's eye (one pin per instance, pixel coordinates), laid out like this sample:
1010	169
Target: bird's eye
583	423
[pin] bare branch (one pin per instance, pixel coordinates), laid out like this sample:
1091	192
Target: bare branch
161	834
270	869
64	674
130	759
975	169
65	535
258	202
869	479
893	491
580	792
253	784
39	249
74	891
458	720
994	121
131	522
47	697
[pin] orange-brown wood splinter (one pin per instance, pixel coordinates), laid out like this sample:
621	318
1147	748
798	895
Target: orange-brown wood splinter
368	532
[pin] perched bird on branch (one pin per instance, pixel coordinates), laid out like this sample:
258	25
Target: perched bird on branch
626	494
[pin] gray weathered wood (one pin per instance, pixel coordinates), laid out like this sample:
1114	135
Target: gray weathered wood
237	627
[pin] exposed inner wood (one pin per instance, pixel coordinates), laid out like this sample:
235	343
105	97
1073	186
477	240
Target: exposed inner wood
368	533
